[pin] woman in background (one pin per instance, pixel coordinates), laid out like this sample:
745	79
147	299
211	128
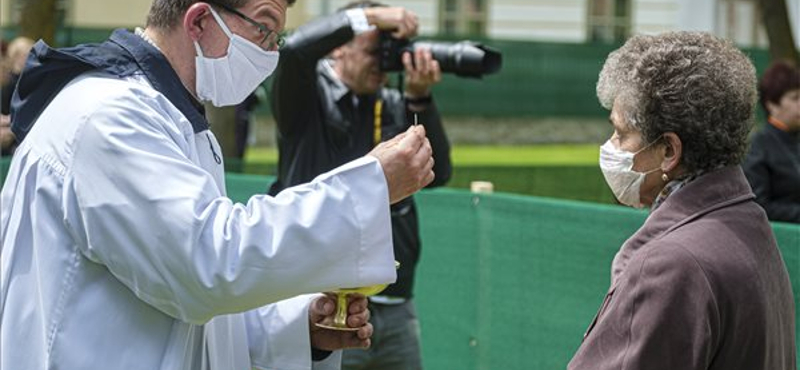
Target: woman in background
773	164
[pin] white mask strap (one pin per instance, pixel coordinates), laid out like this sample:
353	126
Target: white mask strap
647	146
221	22
197	49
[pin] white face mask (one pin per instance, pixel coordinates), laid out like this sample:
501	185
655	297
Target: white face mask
230	79
617	167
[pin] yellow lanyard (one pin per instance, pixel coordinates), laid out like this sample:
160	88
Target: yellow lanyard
377	128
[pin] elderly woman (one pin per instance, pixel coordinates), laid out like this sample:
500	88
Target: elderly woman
773	163
701	285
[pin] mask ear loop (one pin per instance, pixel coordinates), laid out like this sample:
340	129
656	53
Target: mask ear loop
663	175
220	22
648	145
222	26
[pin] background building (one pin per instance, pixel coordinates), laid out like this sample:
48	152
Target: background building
552	52
574	21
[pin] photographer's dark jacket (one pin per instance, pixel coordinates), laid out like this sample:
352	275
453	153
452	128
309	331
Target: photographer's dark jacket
321	125
773	168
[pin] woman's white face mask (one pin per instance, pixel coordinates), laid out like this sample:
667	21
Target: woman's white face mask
228	80
617	167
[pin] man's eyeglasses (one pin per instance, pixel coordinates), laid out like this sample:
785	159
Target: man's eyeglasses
271	37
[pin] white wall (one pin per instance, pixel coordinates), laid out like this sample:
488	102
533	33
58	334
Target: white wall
542	20
696	15
108	13
793	8
426	10
654	16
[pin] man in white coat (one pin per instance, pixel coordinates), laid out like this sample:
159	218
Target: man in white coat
119	247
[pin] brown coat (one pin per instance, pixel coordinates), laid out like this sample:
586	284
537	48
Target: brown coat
701	285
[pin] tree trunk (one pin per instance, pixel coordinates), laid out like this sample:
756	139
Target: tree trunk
39	19
779	31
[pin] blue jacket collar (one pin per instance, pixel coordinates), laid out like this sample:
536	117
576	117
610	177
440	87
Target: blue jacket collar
48	70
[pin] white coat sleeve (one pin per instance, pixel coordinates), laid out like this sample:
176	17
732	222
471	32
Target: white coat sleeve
278	336
138	205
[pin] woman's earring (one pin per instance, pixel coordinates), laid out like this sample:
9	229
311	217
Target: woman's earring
664	177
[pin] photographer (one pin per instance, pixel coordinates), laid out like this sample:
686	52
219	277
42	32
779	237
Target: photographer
330	105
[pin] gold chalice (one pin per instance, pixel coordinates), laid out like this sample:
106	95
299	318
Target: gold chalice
340	317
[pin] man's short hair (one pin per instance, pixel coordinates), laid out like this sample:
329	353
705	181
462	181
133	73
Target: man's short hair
167	13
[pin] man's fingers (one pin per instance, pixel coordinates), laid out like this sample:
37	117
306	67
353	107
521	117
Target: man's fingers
357	304
413	141
436	71
407	63
365	332
322	306
422	57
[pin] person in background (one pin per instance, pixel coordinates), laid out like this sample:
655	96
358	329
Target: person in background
702	284
5	71
15	56
119	248
331	105
242	119
772	164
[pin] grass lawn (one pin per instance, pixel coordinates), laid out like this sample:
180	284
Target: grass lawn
531	155
567	171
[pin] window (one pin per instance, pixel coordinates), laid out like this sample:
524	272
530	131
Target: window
463	17
609	20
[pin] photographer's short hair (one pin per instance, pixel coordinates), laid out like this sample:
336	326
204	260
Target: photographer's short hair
694	84
780	78
361	4
166	14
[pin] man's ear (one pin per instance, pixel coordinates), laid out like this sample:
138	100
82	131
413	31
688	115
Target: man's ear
672	154
195	20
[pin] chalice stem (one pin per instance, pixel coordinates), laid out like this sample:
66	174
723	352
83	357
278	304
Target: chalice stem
340	320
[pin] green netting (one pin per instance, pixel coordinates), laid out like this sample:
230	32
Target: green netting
511	282
4	163
517	279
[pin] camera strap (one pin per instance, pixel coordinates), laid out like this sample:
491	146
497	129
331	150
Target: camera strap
377	121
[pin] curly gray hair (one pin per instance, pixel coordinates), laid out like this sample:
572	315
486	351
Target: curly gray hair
694	84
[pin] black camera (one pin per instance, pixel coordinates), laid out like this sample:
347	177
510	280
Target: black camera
464	58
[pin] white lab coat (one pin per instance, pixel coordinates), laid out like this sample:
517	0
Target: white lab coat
120	250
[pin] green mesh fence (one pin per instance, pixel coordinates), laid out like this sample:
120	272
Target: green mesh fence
511	282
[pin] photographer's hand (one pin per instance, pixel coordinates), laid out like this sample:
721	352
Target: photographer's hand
421	74
403	22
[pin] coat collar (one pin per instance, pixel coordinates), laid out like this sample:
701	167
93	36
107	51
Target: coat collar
337	88
162	76
709	192
48	70
790	138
